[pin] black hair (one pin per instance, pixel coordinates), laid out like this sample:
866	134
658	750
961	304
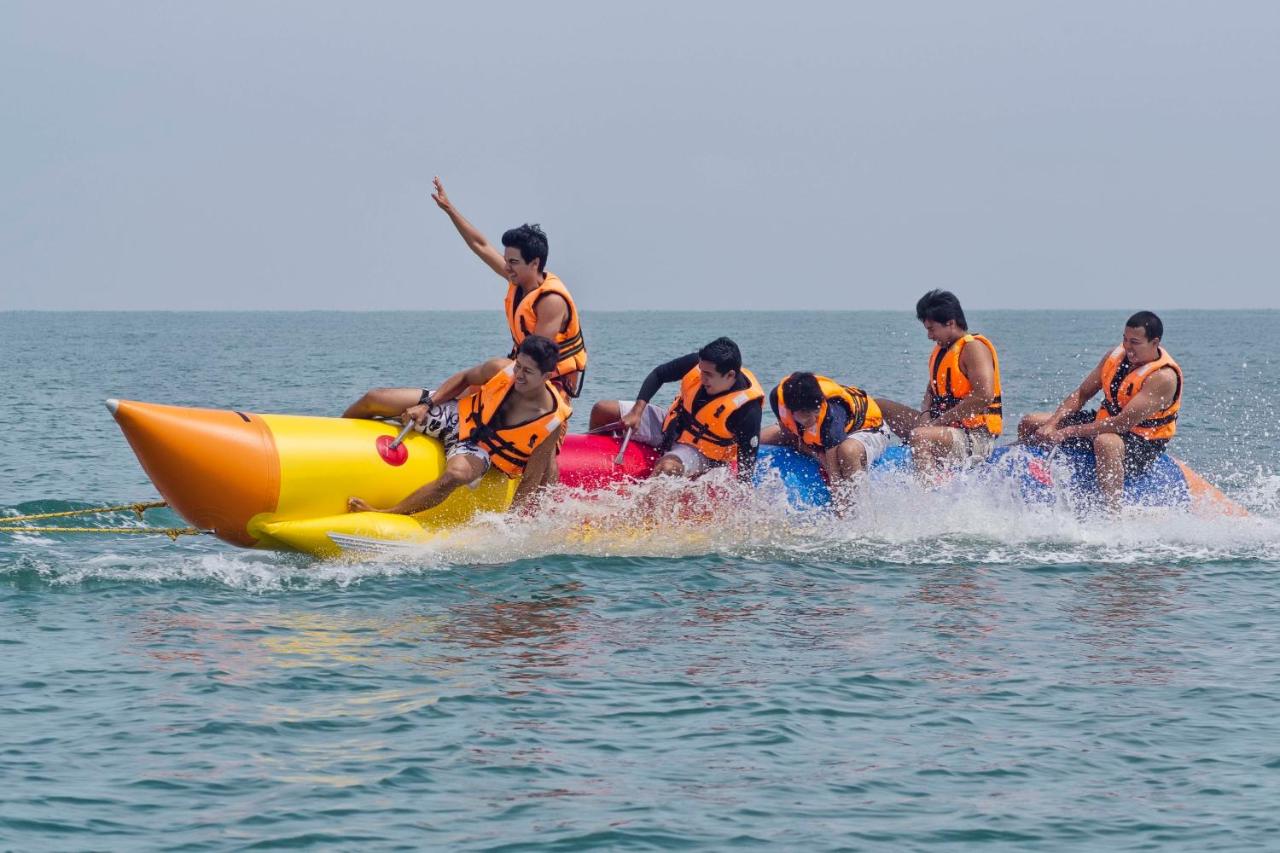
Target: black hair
723	353
941	306
1148	322
543	352
530	241
801	392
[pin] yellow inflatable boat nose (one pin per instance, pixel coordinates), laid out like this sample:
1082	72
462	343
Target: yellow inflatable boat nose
216	468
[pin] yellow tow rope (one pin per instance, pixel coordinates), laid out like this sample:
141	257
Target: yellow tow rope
172	532
17	523
138	509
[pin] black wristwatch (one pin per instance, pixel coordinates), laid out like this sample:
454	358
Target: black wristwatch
425	399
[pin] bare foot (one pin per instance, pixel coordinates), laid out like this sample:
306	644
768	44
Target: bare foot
357	505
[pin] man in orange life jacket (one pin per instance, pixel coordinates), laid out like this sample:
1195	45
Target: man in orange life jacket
839	425
1141	389
537	303
508	423
962	411
714	420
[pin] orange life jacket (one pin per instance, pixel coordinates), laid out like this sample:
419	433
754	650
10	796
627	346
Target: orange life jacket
1121	381
522	319
707	428
864	412
948	385
509	447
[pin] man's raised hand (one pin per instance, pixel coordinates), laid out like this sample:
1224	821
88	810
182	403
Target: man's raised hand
439	196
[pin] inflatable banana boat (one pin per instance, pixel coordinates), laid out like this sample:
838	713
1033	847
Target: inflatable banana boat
282	481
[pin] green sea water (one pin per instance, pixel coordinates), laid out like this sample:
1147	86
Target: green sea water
940	671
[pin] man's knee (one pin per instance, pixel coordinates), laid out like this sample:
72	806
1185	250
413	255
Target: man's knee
1108	444
922	437
461	469
670	466
852	456
1032	422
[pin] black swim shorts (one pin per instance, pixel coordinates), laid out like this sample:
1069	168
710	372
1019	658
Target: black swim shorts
1139	452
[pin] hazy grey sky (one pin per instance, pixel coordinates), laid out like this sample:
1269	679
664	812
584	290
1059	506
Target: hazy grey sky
680	155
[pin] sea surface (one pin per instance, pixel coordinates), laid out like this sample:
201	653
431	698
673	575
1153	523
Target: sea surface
940	671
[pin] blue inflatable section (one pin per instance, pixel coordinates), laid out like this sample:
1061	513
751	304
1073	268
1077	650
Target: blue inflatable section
1041	476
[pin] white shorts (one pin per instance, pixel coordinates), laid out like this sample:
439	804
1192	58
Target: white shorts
874	441
971	443
442	423
649	430
694	461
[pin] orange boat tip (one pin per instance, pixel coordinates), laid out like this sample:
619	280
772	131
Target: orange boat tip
216	468
113	405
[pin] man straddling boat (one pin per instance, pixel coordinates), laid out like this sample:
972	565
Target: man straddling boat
962	412
537	303
509	423
714	420
1141	389
839	425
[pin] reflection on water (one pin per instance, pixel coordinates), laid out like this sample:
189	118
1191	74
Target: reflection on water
1119	614
959	610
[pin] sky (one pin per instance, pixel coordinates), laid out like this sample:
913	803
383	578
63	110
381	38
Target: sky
681	155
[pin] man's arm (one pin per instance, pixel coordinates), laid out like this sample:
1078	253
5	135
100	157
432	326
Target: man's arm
524	500
671	371
980	369
1156	394
470	234
551	313
1074	401
452	388
744	424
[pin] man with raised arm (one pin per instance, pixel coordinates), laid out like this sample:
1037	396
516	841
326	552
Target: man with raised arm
537	303
511	421
1141	389
962	412
714	420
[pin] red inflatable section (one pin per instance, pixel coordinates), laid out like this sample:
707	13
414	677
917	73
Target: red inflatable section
587	461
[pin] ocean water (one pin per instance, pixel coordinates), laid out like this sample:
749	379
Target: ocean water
942	671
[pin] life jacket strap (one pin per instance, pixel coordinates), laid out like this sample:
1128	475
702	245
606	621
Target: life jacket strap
1157	422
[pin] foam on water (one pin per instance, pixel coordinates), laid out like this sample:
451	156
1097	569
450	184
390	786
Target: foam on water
896	522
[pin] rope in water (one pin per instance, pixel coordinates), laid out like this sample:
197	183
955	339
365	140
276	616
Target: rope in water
137	508
17	523
172	532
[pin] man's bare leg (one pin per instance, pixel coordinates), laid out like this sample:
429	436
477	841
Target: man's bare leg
461	469
668	466
850	458
604	413
1029	424
774	434
383	403
900	418
1108	452
930	447
845	464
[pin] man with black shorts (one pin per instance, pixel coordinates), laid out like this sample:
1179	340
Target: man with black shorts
1141	389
